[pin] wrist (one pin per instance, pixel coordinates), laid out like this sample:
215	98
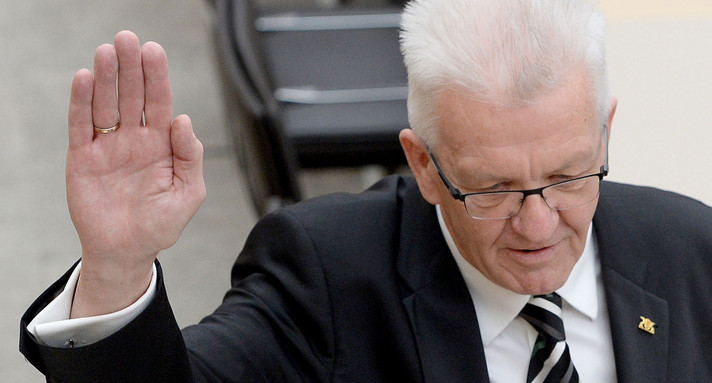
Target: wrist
105	287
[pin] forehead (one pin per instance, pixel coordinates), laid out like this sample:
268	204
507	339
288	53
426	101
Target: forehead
557	127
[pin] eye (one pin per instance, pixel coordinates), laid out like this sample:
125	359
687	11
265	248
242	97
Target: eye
572	186
562	178
494	188
498	187
484	201
477	187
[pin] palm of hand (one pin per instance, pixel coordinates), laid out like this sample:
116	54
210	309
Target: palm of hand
119	191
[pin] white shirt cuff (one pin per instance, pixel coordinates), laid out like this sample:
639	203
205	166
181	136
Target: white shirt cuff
52	326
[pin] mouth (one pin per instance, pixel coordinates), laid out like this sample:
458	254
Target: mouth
533	255
533	250
529	250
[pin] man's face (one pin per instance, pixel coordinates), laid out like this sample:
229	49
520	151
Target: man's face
482	147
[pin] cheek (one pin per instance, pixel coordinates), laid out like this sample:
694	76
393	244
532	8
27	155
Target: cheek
474	238
579	220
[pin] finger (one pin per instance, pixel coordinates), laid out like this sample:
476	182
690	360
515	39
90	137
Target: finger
159	101
81	128
187	158
130	79
105	107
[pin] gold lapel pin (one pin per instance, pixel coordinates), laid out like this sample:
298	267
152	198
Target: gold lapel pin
647	325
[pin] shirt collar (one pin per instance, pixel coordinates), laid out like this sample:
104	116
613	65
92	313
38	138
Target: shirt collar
497	306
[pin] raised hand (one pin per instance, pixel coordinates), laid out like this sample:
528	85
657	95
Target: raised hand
131	190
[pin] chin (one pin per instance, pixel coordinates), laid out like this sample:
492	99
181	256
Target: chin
540	284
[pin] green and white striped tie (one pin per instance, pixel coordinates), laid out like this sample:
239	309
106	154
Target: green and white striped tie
550	361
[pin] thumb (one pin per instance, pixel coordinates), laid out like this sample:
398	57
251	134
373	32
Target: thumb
187	157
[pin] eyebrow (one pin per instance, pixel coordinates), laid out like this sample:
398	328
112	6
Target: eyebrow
579	158
482	179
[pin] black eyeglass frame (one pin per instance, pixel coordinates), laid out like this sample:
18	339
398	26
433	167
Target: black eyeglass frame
458	195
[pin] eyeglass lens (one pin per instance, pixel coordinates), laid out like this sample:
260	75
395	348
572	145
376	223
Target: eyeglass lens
561	196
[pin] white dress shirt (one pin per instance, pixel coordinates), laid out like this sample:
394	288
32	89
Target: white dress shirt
52	326
508	340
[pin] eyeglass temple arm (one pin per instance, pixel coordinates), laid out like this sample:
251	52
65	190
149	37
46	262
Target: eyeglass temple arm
456	194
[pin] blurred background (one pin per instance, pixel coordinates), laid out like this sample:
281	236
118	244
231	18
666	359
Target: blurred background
660	60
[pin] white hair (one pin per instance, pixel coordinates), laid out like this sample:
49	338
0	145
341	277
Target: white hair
500	52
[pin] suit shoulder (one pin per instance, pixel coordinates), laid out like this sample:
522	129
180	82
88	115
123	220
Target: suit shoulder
641	206
383	198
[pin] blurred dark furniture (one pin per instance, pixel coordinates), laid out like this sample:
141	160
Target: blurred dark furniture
318	88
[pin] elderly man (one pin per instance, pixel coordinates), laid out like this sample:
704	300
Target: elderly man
506	258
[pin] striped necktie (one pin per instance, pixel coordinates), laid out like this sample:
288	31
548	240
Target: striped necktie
550	361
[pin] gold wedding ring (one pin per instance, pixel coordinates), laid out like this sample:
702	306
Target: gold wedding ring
107	130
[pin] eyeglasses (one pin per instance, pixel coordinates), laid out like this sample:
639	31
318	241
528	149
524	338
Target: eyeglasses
491	205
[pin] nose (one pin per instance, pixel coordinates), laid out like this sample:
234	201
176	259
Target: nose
535	221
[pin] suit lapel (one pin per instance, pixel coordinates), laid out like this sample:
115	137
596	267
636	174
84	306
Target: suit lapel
447	334
640	356
439	306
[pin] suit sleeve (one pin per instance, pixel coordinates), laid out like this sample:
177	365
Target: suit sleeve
274	325
148	349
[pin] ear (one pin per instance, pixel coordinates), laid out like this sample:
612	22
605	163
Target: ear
614	105
420	164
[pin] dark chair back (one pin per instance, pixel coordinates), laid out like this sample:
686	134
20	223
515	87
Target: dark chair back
322	88
267	161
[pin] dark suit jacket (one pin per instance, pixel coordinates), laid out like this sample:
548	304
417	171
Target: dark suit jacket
362	288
